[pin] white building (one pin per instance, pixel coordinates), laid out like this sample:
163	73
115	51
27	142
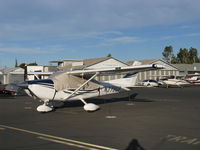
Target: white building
11	75
16	75
94	63
40	72
156	74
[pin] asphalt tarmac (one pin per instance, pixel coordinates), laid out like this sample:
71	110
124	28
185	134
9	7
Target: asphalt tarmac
154	119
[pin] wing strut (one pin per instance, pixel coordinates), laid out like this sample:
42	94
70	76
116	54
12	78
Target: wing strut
82	86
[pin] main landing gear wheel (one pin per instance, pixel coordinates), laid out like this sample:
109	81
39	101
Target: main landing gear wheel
89	107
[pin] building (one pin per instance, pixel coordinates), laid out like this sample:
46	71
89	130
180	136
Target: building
94	63
155	74
185	69
12	75
40	72
16	75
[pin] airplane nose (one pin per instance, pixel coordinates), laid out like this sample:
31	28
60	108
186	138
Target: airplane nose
23	85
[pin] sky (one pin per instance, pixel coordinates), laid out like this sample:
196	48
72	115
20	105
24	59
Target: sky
46	30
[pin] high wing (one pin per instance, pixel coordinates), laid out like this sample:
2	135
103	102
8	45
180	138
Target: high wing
138	68
71	79
32	73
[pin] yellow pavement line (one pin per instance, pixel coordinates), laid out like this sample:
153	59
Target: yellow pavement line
2	128
67	143
56	137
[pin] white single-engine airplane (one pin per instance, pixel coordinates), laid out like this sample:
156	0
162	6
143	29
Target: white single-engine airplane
174	81
81	85
193	78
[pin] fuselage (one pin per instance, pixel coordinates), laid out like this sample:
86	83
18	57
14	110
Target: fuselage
175	82
44	90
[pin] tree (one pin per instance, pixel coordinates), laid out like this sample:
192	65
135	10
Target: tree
183	56
174	60
16	63
109	55
193	55
23	65
33	64
168	53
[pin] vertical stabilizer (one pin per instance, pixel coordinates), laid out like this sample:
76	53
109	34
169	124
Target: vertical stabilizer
129	80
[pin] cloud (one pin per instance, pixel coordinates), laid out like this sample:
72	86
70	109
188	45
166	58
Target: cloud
192	34
42	19
21	50
33	51
186	27
170	37
121	40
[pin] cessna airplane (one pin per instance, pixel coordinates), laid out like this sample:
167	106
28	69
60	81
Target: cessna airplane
193	78
172	81
81	85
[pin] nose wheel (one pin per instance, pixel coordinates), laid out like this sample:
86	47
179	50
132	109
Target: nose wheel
45	107
49	106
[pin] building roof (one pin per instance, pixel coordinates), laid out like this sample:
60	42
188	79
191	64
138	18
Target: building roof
93	61
188	67
8	70
90	62
151	61
145	61
70	60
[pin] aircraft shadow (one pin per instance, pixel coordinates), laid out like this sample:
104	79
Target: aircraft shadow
131	98
134	145
7	96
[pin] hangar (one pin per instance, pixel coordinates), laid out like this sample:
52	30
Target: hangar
93	63
11	75
16	75
157	74
185	69
7	75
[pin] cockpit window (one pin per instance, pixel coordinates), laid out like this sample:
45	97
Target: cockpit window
45	81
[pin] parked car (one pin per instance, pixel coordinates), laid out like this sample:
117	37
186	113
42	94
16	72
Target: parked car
16	90
4	92
150	83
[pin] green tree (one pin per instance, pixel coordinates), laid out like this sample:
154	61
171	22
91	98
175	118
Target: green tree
168	53
193	55
183	56
16	63
109	55
22	65
174	60
33	64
